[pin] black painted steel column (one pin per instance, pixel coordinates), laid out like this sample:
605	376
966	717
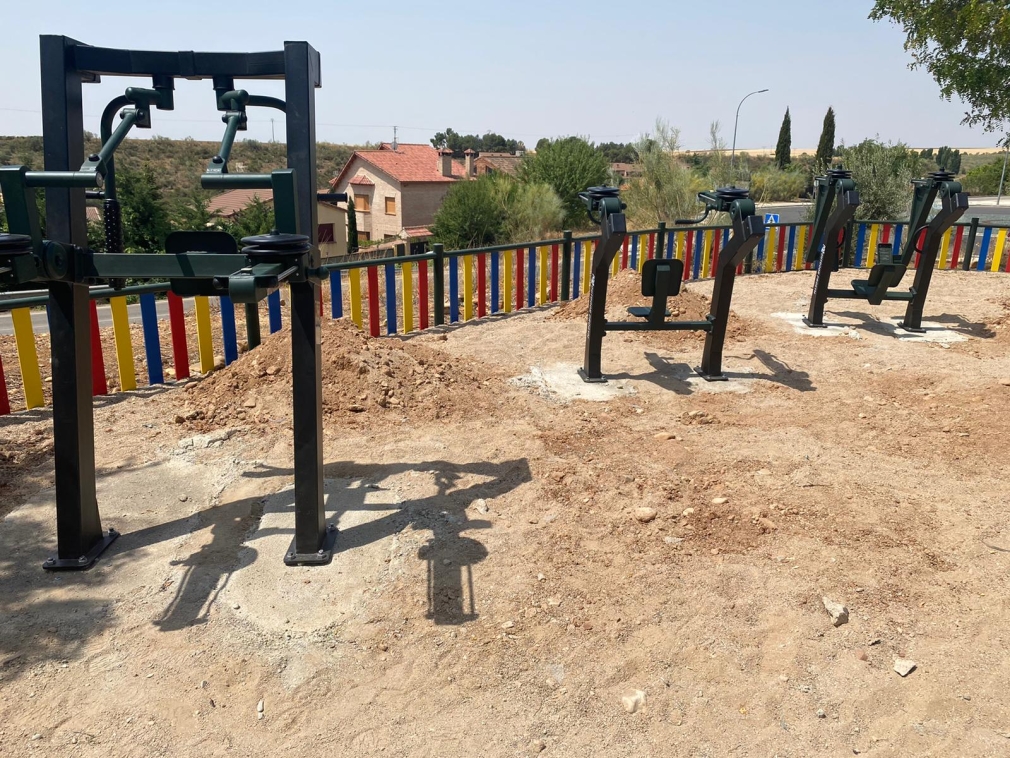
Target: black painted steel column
78	524
302	76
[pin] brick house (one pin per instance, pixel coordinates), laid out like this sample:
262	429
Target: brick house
497	163
397	189
331	222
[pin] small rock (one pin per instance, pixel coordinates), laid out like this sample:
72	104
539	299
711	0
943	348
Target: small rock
676	718
664	436
537	746
219	361
861	655
235	606
903	666
541	578
203	684
821	714
249	402
272	370
838	612
633	702
720	500
36	737
1005	382
688	512
508	625
179	419
673	540
446	562
183	498
875	641
355	408
259	707
481	505
645	514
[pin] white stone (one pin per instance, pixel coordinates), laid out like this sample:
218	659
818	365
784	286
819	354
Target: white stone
838	612
645	514
633	702
903	666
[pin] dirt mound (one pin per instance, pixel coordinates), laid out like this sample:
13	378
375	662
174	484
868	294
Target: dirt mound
363	377
625	291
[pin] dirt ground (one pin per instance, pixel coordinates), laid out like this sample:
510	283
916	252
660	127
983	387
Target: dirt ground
523	560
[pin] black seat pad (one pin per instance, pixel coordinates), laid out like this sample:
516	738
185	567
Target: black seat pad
649	275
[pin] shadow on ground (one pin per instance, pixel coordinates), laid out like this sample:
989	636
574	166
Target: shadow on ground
683	379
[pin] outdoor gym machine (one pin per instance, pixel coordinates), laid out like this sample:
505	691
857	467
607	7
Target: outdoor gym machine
837	200
661	277
199	262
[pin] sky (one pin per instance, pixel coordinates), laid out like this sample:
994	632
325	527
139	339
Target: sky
524	69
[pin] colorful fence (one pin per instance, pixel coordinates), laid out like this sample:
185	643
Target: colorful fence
402	295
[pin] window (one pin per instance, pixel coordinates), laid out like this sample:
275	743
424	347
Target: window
325	233
364	236
362	203
390	206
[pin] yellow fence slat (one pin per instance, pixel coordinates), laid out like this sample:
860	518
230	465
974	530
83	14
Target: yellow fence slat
542	266
944	249
678	248
587	252
997	253
28	357
204	338
507	274
615	266
871	247
124	347
801	249
407	274
467	287
770	240
643	251
354	283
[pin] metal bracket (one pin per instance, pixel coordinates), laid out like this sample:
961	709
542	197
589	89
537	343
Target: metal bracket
85	561
319	558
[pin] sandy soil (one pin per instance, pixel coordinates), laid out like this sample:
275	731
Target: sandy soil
513	563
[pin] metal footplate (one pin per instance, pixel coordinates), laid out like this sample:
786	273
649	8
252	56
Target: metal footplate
85	561
320	557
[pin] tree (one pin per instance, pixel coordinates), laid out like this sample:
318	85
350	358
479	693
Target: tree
191	212
949	159
965	46
530	211
826	144
665	188
883	174
352	228
489	143
984	179
616	152
146	221
255	218
569	165
470	215
783	148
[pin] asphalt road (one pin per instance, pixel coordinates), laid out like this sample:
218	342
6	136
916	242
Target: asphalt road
41	324
983	207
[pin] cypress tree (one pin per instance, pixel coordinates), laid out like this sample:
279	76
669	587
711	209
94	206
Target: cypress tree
826	145
783	149
352	227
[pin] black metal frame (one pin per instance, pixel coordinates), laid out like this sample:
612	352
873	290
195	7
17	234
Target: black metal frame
837	189
66	64
748	229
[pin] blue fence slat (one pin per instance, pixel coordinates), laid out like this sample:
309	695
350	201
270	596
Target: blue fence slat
152	341
670	242
453	289
229	337
577	270
336	295
634	251
791	250
984	252
274	310
898	228
860	246
390	298
531	277
495	275
699	250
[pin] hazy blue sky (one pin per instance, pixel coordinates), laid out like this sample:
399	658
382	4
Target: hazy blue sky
524	69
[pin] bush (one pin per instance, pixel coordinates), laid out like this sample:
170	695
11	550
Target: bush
471	215
984	179
569	165
666	189
530	211
772	185
883	175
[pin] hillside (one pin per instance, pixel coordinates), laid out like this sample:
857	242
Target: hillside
179	162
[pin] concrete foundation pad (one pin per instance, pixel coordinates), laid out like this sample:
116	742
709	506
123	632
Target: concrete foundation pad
795	320
562	383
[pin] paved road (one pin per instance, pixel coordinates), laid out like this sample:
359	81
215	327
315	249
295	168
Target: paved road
982	207
41	324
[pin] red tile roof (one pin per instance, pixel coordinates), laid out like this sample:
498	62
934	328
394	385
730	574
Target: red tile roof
417	231
231	202
362	180
408	163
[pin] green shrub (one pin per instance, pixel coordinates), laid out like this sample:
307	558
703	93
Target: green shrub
883	174
569	165
471	215
772	185
984	179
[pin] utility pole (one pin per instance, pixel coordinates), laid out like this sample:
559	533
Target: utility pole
736	123
272	138
1006	154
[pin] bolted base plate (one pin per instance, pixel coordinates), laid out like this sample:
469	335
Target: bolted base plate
812	325
710	377
591	380
913	330
87	560
319	558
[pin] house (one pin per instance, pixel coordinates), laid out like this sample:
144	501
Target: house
497	163
331	222
397	189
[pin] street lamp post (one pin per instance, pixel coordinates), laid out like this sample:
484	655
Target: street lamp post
736	123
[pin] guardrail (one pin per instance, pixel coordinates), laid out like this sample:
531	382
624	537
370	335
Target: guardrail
404	294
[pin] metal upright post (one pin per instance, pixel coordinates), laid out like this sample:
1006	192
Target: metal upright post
313	542
252	324
566	266
613	230
78	524
661	240
969	248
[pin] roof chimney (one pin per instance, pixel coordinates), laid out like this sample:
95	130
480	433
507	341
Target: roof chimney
445	161
468	161
394	139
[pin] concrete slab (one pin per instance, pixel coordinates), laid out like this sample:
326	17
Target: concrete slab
561	383
795	320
